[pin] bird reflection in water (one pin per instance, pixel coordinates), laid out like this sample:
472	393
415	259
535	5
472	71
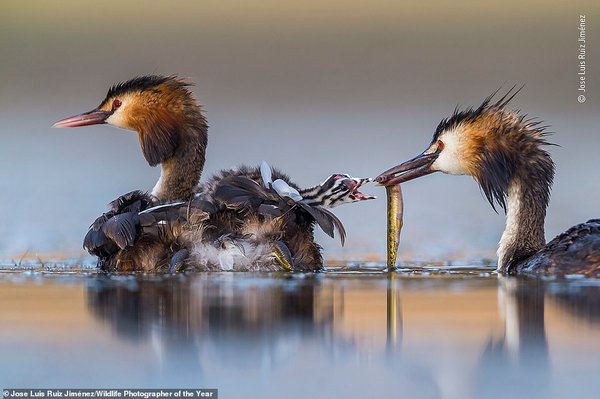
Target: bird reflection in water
278	325
185	316
274	325
518	364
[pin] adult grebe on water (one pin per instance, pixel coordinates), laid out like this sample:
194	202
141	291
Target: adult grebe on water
504	152
180	217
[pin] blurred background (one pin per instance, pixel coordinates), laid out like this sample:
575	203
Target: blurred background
312	87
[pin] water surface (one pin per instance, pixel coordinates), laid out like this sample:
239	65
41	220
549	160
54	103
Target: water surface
449	332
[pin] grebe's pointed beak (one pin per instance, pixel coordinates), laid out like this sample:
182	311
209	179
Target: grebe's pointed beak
93	117
420	165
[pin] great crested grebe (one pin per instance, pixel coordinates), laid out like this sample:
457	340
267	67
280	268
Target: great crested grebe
504	152
173	132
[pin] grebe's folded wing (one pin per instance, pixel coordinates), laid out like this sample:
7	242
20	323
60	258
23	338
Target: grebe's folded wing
116	228
241	191
326	220
133	201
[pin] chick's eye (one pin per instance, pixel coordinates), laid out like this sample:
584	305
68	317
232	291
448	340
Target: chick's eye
116	104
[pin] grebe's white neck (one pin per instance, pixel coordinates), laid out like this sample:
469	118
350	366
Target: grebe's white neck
524	232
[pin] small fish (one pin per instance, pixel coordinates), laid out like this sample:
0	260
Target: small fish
395	212
283	255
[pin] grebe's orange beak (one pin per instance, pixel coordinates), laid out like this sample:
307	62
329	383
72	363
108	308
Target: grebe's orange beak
93	117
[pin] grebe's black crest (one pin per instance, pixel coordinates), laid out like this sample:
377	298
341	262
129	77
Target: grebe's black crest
472	113
143	83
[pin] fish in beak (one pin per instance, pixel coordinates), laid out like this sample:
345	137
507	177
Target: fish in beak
420	165
93	117
395	215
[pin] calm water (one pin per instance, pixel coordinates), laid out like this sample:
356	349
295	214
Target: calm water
428	333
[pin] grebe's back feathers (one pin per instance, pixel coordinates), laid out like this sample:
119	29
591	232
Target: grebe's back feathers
243	193
576	251
238	218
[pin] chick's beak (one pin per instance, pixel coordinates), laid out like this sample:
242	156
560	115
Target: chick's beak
355	183
93	117
420	165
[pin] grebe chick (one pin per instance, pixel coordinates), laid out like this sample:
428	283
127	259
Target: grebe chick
504	152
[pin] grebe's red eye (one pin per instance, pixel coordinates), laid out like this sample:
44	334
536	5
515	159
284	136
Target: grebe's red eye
116	104
440	145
